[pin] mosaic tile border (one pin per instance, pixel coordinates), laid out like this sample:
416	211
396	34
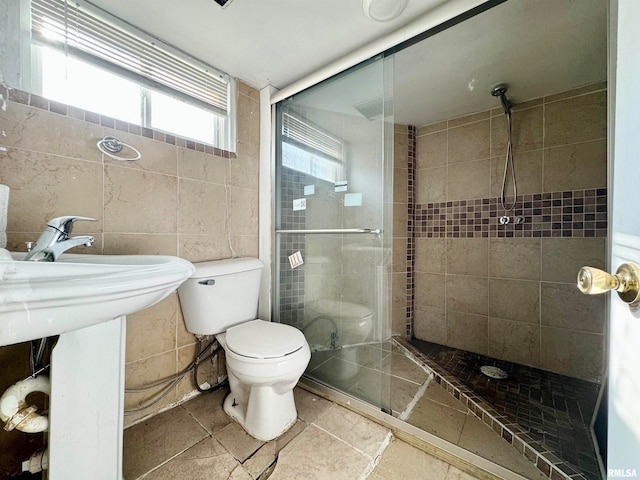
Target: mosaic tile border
572	213
411	237
550	465
292	281
41	103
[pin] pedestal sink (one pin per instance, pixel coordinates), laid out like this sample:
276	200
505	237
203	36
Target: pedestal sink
85	300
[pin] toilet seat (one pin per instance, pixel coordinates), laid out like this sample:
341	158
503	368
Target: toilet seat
262	340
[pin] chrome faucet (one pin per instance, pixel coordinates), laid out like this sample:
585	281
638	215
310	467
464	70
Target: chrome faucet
56	239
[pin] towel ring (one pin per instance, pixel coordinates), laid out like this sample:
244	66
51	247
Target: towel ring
111	145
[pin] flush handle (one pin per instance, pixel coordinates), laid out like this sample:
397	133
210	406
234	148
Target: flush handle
626	281
209	281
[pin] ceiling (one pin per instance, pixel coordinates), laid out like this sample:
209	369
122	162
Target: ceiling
537	47
262	42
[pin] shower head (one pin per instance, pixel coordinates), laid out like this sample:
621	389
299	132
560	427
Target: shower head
500	90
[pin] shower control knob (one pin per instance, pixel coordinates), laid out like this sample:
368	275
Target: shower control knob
626	281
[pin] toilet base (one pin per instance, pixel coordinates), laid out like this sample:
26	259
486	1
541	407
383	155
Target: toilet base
266	415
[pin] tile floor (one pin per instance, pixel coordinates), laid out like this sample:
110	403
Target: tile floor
197	441
433	410
553	410
439	413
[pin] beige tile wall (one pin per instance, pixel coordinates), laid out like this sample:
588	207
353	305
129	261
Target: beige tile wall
174	201
514	298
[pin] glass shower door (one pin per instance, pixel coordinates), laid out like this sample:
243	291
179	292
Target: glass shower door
334	227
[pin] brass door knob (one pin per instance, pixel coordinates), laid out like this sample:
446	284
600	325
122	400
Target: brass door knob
626	281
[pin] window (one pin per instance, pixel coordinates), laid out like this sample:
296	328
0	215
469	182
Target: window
74	82
185	120
311	150
86	58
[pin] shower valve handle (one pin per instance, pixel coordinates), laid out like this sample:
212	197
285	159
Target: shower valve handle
626	281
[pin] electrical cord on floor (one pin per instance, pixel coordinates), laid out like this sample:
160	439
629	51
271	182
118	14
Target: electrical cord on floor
172	381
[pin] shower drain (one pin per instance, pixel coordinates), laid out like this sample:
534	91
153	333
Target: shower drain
494	372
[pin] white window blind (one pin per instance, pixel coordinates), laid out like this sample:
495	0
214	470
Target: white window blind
92	35
305	133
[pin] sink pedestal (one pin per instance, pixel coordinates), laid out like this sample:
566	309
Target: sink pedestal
87	403
84	300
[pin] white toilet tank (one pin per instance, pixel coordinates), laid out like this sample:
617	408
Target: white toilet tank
220	294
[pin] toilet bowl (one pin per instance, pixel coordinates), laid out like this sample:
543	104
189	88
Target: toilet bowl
264	363
264	360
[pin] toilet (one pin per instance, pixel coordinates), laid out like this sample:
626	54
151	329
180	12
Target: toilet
264	359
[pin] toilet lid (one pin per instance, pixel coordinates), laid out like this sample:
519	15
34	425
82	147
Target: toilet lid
261	339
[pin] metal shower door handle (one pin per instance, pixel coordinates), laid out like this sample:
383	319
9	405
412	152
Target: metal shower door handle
626	281
340	231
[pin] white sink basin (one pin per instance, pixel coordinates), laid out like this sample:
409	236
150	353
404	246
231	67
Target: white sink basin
41	299
85	300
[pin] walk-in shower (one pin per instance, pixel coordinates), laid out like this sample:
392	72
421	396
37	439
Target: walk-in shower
484	215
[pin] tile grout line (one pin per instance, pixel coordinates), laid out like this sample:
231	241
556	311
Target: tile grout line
377	457
416	398
144	475
314	424
210	433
